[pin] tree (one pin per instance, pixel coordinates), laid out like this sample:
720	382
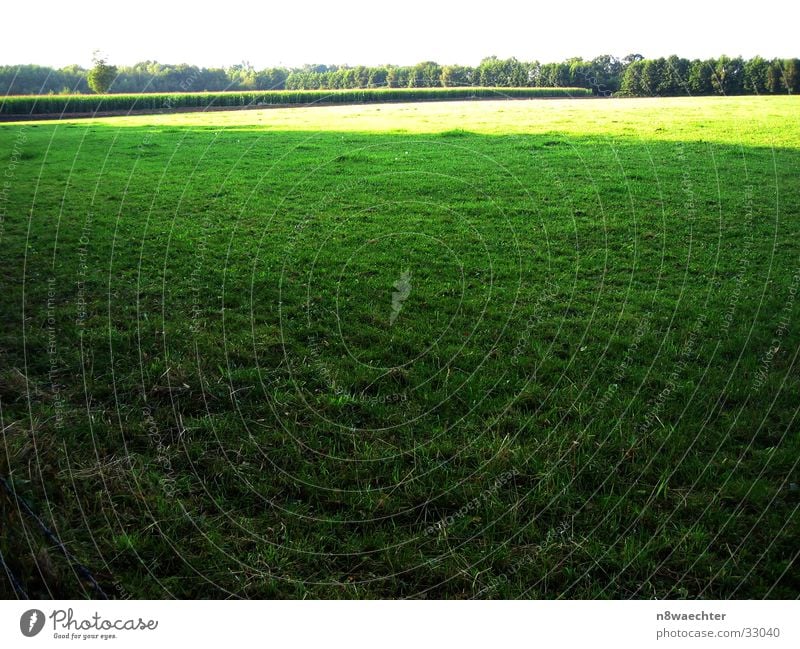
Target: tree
775	77
534	74
791	75
632	58
242	75
488	72
360	76
102	75
631	84
700	77
727	75
632	76
755	75
427	74
377	77
554	75
401	76
349	78
517	73
580	73
652	75
454	76
675	75
271	79
605	74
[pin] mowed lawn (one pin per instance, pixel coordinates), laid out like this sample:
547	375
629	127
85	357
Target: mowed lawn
493	349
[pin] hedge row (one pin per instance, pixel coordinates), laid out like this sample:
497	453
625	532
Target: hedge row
66	104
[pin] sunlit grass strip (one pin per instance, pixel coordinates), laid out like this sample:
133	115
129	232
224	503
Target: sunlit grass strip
56	104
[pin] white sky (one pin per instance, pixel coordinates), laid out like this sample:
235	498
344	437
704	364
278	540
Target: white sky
51	32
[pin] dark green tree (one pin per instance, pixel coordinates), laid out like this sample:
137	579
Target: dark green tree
454	76
791	75
755	75
674	80
700	77
427	74
102	75
631	84
632	58
775	77
652	75
605	74
377	77
727	75
488	72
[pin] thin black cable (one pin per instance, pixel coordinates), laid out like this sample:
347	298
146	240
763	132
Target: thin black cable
15	583
82	570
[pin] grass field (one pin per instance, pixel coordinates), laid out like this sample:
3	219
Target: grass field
498	349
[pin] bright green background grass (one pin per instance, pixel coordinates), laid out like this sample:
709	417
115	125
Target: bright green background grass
591	389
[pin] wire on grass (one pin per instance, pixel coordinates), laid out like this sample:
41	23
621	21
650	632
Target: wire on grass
15	583
50	535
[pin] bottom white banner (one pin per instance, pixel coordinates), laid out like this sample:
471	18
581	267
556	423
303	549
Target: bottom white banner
373	624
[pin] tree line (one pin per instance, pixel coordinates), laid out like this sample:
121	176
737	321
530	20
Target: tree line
632	75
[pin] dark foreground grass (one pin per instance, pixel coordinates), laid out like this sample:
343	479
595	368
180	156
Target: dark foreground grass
331	363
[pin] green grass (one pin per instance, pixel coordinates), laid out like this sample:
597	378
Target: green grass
215	380
59	104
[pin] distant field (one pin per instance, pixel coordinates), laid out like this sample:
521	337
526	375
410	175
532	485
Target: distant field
489	349
61	104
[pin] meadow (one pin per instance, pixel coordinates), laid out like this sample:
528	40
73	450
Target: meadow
496	349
